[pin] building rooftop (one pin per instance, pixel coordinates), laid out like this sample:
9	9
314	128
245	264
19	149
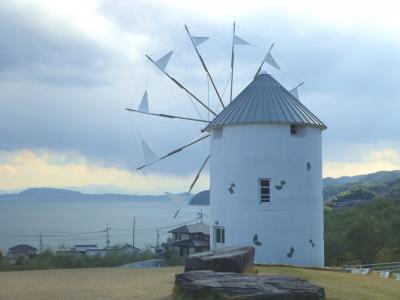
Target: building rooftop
265	100
192	228
23	248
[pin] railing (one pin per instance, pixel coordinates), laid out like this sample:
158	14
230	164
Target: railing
152	263
384	269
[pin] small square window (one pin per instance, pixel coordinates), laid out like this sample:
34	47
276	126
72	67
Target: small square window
294	129
264	190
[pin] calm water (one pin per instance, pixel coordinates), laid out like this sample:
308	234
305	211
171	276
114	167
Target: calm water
72	222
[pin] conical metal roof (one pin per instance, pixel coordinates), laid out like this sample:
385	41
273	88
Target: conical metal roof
265	100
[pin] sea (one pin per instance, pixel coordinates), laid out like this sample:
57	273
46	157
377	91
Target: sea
60	224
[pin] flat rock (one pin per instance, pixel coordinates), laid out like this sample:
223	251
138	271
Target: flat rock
226	259
210	285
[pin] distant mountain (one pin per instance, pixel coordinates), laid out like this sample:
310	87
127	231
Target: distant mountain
202	198
351	192
53	194
100	189
378	177
346	190
343	191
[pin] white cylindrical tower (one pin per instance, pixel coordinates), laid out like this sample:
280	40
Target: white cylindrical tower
266	176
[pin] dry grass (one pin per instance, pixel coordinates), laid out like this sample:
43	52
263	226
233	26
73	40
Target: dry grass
111	283
343	286
88	284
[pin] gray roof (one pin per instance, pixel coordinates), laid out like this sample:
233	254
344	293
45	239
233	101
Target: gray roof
192	228
265	100
22	249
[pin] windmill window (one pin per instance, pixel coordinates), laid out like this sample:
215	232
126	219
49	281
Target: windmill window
264	189
294	129
220	235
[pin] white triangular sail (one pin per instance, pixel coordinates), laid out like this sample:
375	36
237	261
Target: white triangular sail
269	59
149	155
294	92
144	104
197	40
178	199
239	41
163	61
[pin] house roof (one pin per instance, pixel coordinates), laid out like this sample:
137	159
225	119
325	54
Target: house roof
192	228
191	243
265	100
23	248
85	246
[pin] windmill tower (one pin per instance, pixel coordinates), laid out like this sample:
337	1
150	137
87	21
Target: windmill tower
265	167
266	175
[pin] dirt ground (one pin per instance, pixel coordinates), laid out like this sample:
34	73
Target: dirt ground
149	284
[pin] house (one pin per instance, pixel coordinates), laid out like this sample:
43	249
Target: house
266	175
21	250
188	239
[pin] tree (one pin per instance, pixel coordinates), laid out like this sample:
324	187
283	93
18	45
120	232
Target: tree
366	237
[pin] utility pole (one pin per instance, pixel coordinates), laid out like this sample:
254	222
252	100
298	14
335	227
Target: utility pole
158	240
201	216
133	234
108	237
40	243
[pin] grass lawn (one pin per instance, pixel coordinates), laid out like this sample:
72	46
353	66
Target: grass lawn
112	283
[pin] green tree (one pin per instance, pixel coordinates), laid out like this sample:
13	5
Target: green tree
366	237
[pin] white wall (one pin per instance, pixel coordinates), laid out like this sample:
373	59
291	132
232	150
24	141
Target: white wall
245	153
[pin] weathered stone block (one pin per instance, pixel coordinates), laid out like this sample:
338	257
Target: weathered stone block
210	285
227	259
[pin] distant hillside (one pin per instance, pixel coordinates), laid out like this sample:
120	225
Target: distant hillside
344	191
202	198
378	177
364	189
53	194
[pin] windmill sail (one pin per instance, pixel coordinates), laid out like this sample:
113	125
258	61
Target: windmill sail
197	40
182	87
294	92
163	61
198	175
205	67
192	185
198	139
149	155
178	199
236	40
168	116
239	41
144	104
270	60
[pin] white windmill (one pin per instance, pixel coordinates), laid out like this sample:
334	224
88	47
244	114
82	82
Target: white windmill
265	167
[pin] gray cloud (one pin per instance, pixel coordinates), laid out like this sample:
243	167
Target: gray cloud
63	92
28	51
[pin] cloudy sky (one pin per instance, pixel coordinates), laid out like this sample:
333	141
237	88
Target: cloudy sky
69	68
